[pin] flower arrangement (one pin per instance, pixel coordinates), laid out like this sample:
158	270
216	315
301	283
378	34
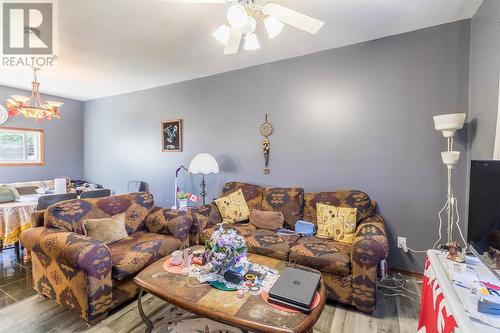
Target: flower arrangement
225	249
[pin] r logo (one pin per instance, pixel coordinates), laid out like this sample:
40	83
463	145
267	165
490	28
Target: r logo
28	28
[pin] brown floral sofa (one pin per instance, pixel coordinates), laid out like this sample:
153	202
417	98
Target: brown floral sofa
86	275
349	270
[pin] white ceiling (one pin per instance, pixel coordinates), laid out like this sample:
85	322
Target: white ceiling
109	47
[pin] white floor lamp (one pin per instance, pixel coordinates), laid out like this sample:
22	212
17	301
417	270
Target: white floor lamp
448	124
205	164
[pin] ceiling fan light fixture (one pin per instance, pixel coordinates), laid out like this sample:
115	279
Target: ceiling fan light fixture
250	26
251	42
222	34
237	16
273	26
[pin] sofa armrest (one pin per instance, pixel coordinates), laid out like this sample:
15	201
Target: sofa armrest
167	221
36	218
72	254
203	217
369	247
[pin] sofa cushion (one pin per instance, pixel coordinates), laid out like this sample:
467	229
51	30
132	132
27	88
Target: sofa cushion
203	217
289	201
252	193
337	223
266	219
344	198
243	229
134	253
324	255
268	243
68	215
106	230
173	222
233	207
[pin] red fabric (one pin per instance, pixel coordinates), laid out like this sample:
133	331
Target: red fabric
433	313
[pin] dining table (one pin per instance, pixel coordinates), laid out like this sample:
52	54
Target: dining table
15	218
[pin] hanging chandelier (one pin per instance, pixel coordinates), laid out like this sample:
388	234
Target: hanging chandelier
34	106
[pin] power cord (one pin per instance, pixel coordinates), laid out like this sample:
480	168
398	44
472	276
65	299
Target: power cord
398	288
457	223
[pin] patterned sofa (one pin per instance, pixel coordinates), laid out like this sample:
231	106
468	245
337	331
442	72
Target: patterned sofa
86	275
349	270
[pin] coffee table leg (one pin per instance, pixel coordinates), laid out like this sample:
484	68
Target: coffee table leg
145	319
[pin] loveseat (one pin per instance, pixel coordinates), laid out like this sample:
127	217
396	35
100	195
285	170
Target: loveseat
86	275
349	270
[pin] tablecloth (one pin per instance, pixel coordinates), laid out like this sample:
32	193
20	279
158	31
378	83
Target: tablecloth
14	219
434	314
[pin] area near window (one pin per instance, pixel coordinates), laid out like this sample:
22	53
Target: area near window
21	146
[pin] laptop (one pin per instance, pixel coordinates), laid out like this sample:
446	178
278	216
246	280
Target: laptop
295	288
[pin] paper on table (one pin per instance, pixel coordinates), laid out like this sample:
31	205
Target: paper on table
461	275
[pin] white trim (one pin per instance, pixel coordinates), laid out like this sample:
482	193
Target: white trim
496	151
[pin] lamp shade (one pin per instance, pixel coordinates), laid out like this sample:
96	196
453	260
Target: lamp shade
203	163
449	123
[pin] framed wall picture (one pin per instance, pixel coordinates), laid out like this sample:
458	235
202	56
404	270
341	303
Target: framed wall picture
171	135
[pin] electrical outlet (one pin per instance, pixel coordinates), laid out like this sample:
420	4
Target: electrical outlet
402	244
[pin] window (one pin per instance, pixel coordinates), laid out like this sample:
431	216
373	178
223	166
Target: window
21	146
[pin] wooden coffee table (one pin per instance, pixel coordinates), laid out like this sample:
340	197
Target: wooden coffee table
250	313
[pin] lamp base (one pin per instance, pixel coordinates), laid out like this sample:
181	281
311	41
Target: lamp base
203	189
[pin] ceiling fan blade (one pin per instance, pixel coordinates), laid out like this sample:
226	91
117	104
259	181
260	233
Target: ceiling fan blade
233	44
198	1
293	18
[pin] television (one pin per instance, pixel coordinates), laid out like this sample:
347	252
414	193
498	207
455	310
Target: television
483	231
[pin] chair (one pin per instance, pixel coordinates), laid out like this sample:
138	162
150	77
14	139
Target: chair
96	194
137	186
48	200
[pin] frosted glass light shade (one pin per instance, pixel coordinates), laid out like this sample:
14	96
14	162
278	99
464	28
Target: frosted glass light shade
449	123
20	98
251	42
237	16
222	34
450	158
273	26
250	26
55	104
203	163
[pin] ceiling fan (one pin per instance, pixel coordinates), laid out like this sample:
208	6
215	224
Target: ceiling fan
243	15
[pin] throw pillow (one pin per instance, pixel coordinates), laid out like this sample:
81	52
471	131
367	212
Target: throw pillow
233	207
106	230
8	193
335	222
266	219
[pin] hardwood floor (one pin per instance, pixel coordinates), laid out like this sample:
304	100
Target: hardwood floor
38	314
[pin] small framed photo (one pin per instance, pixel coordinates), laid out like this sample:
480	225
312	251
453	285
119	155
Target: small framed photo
171	135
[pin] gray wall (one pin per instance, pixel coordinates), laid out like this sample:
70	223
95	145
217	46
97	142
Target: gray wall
63	142
356	117
484	76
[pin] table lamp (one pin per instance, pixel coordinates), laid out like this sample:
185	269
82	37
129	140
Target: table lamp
205	164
